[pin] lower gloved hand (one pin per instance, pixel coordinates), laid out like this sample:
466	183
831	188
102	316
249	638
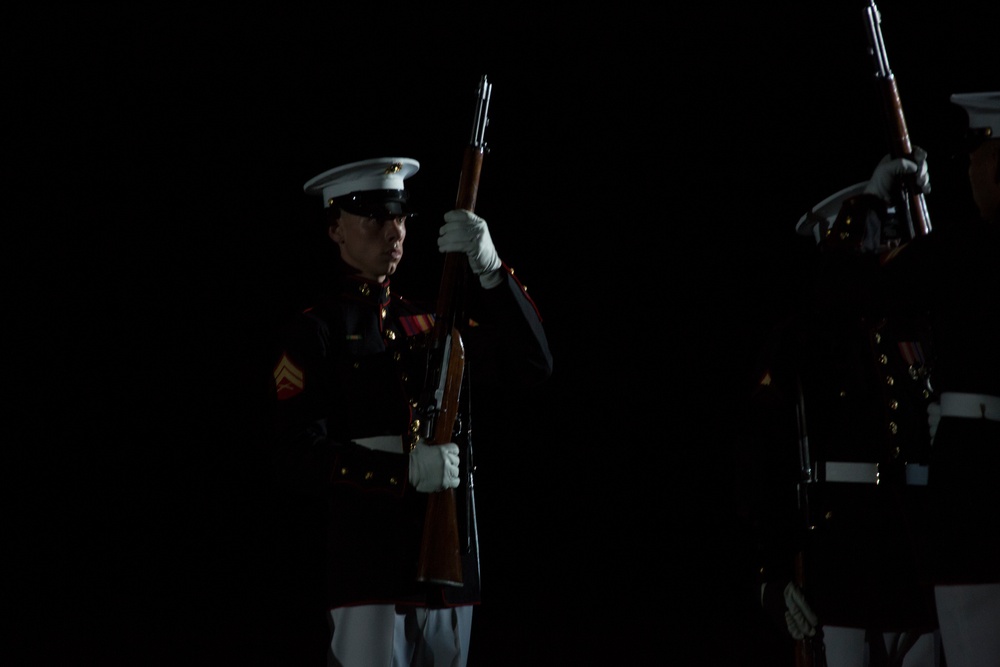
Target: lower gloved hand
933	417
787	607
464	231
434	468
888	170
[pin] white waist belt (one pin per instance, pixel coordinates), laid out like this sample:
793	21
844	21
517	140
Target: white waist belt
971	406
382	443
867	473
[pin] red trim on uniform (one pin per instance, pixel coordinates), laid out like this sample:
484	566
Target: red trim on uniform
524	290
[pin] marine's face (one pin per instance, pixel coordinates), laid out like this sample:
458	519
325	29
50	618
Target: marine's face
372	246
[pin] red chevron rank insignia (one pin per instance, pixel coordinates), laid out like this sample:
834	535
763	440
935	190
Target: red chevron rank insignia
288	378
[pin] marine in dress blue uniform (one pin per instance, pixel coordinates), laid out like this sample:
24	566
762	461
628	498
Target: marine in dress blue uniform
961	272
349	381
841	446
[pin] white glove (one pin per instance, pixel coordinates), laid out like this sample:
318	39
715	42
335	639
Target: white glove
434	468
933	417
799	616
888	170
464	231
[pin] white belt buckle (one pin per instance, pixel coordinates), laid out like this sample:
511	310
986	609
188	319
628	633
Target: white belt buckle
382	443
851	471
864	472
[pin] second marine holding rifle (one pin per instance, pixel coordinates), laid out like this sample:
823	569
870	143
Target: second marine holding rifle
350	377
839	445
840	431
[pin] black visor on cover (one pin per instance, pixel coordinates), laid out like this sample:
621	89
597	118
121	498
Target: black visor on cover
375	203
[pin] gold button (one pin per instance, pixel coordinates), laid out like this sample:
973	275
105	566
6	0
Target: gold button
369	475
364	289
878	338
415	426
893	428
393	481
893	404
390	334
343	471
384	313
882	359
889	381
895	452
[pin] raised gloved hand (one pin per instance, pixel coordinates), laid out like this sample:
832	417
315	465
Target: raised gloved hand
434	468
889	169
464	231
788	608
933	417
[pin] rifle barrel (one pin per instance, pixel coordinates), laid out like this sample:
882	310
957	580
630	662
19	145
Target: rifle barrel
440	551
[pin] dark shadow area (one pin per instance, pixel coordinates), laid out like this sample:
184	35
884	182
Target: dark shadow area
644	178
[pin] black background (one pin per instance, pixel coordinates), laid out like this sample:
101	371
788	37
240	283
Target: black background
645	173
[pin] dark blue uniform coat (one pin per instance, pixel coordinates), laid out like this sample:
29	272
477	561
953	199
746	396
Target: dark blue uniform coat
352	366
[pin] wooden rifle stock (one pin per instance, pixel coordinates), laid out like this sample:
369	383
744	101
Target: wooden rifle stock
912	198
440	555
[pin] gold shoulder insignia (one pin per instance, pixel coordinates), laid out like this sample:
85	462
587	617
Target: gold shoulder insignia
288	378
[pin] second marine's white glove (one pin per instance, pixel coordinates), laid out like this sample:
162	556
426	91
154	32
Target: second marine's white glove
434	468
933	417
800	620
888	170
464	231
800	617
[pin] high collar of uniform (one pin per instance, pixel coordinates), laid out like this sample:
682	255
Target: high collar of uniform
354	285
362	288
